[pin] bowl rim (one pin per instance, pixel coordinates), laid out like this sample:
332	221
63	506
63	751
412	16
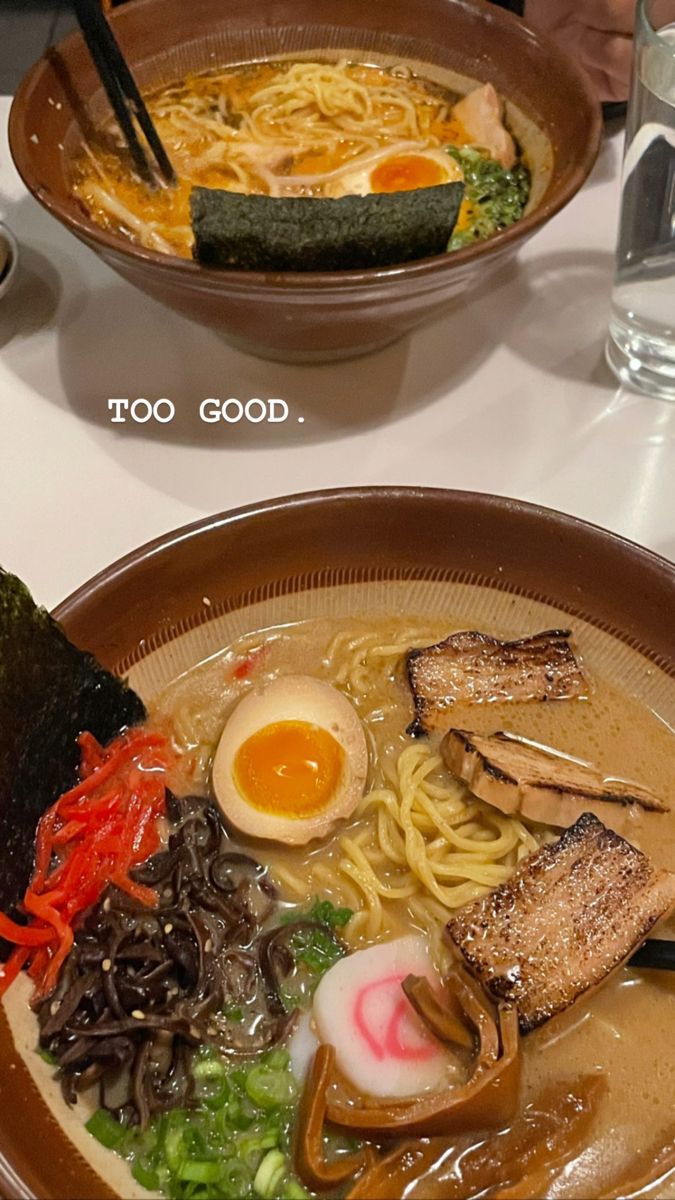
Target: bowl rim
189	271
374	493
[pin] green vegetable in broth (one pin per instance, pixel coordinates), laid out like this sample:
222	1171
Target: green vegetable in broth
235	1142
321	910
497	197
328	914
312	942
316	949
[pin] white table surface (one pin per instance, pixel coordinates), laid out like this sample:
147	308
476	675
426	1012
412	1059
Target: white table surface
508	394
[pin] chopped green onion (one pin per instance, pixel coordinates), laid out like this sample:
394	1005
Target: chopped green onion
294	1191
269	1175
321	910
269	1088
497	196
315	949
200	1172
103	1126
146	1176
324	911
174	1149
278	1058
232	1114
251	1146
235	1180
234	1144
209	1068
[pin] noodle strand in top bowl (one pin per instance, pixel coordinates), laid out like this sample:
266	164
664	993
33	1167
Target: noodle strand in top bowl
314	129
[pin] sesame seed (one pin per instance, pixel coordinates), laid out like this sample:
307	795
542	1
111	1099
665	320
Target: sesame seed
106	964
206	601
208	946
54	1007
168	927
138	1014
106	904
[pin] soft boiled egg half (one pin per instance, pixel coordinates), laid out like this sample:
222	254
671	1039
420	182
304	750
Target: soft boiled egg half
292	760
400	172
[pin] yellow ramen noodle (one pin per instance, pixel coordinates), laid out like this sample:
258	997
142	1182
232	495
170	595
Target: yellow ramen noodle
420	845
278	129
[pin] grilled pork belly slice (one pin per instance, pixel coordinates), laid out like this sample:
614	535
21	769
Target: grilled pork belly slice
570	914
517	776
478	669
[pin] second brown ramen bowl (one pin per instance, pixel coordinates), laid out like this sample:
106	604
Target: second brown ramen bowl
297	315
172	592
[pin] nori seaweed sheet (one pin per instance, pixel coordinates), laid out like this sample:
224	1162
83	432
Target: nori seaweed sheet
49	693
302	233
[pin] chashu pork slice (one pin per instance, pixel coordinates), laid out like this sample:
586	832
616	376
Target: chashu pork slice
481	113
536	782
475	668
572	912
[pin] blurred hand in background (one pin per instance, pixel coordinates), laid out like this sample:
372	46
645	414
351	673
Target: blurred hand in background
597	33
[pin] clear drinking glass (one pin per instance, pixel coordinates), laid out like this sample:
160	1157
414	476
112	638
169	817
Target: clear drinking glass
641	342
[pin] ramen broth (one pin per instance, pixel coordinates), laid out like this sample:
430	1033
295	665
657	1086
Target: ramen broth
610	729
282	129
625	1030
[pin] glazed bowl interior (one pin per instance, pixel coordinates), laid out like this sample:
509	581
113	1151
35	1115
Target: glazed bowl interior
461	43
168	605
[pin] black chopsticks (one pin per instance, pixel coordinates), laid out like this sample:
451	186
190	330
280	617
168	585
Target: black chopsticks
123	94
657	953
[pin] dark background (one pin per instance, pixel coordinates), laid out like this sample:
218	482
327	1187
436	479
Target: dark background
28	27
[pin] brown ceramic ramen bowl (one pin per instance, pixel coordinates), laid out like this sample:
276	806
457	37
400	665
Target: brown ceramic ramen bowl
296	315
286	551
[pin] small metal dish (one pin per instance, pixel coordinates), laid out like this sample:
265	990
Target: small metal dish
9	259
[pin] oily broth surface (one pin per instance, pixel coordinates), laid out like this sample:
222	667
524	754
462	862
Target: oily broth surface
204	124
625	1030
623	1033
611	729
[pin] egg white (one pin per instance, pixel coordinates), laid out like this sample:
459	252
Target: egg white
291	698
359	182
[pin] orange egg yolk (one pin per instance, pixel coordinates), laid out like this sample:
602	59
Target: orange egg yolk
406	172
290	768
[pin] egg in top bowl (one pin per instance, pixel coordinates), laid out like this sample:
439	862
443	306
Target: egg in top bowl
291	761
399	172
